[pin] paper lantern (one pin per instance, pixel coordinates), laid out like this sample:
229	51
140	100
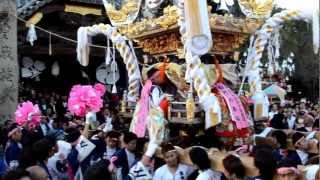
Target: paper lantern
55	69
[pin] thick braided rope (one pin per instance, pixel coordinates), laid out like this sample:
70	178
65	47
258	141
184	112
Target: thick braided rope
196	73
261	39
126	52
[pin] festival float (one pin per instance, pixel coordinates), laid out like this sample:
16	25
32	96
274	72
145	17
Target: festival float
197	51
195	46
173	37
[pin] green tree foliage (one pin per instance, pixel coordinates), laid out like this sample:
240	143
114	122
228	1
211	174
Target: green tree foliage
296	37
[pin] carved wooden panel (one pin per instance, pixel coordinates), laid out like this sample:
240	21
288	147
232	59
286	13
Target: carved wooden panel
169	42
164	43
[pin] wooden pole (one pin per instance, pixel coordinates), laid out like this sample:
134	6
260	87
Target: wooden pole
199	37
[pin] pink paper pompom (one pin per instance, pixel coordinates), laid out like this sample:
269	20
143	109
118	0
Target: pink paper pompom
83	99
100	89
27	112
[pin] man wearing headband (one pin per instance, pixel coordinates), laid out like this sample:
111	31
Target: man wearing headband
158	78
151	111
287	170
173	169
13	146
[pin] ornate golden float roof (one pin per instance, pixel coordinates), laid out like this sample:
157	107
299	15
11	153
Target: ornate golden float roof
160	36
169	22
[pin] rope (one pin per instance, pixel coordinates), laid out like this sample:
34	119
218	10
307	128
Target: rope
66	38
52	33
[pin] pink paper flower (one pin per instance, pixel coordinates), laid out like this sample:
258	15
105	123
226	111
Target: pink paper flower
83	99
27	112
100	89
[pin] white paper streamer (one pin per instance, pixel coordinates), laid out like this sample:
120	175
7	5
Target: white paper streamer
32	34
315	26
83	49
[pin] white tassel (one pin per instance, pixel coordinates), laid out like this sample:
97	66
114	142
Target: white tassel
276	43
32	34
108	53
270	53
114	65
114	89
114	68
315	27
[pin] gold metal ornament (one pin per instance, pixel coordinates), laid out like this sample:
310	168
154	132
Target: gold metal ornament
256	8
126	15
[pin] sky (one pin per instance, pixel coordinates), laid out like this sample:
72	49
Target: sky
306	6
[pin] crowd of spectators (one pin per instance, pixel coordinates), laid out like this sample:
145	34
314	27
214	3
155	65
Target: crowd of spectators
49	151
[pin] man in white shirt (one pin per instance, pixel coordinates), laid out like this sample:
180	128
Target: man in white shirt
291	118
45	126
274	110
173	169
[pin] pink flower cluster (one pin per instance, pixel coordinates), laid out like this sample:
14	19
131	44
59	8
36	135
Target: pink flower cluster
83	99
27	112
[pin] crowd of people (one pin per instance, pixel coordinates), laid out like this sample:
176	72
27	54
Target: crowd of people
301	116
65	147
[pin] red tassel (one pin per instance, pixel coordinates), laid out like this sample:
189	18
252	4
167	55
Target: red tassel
164	105
162	70
218	71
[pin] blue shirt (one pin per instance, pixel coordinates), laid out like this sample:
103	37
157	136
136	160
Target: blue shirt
12	152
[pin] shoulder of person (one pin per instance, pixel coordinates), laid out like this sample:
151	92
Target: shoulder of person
159	172
161	168
187	167
120	154
250	178
292	153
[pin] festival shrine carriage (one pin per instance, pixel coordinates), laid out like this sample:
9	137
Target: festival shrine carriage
202	80
160	41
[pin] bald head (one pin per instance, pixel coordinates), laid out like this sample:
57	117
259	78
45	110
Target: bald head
38	173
